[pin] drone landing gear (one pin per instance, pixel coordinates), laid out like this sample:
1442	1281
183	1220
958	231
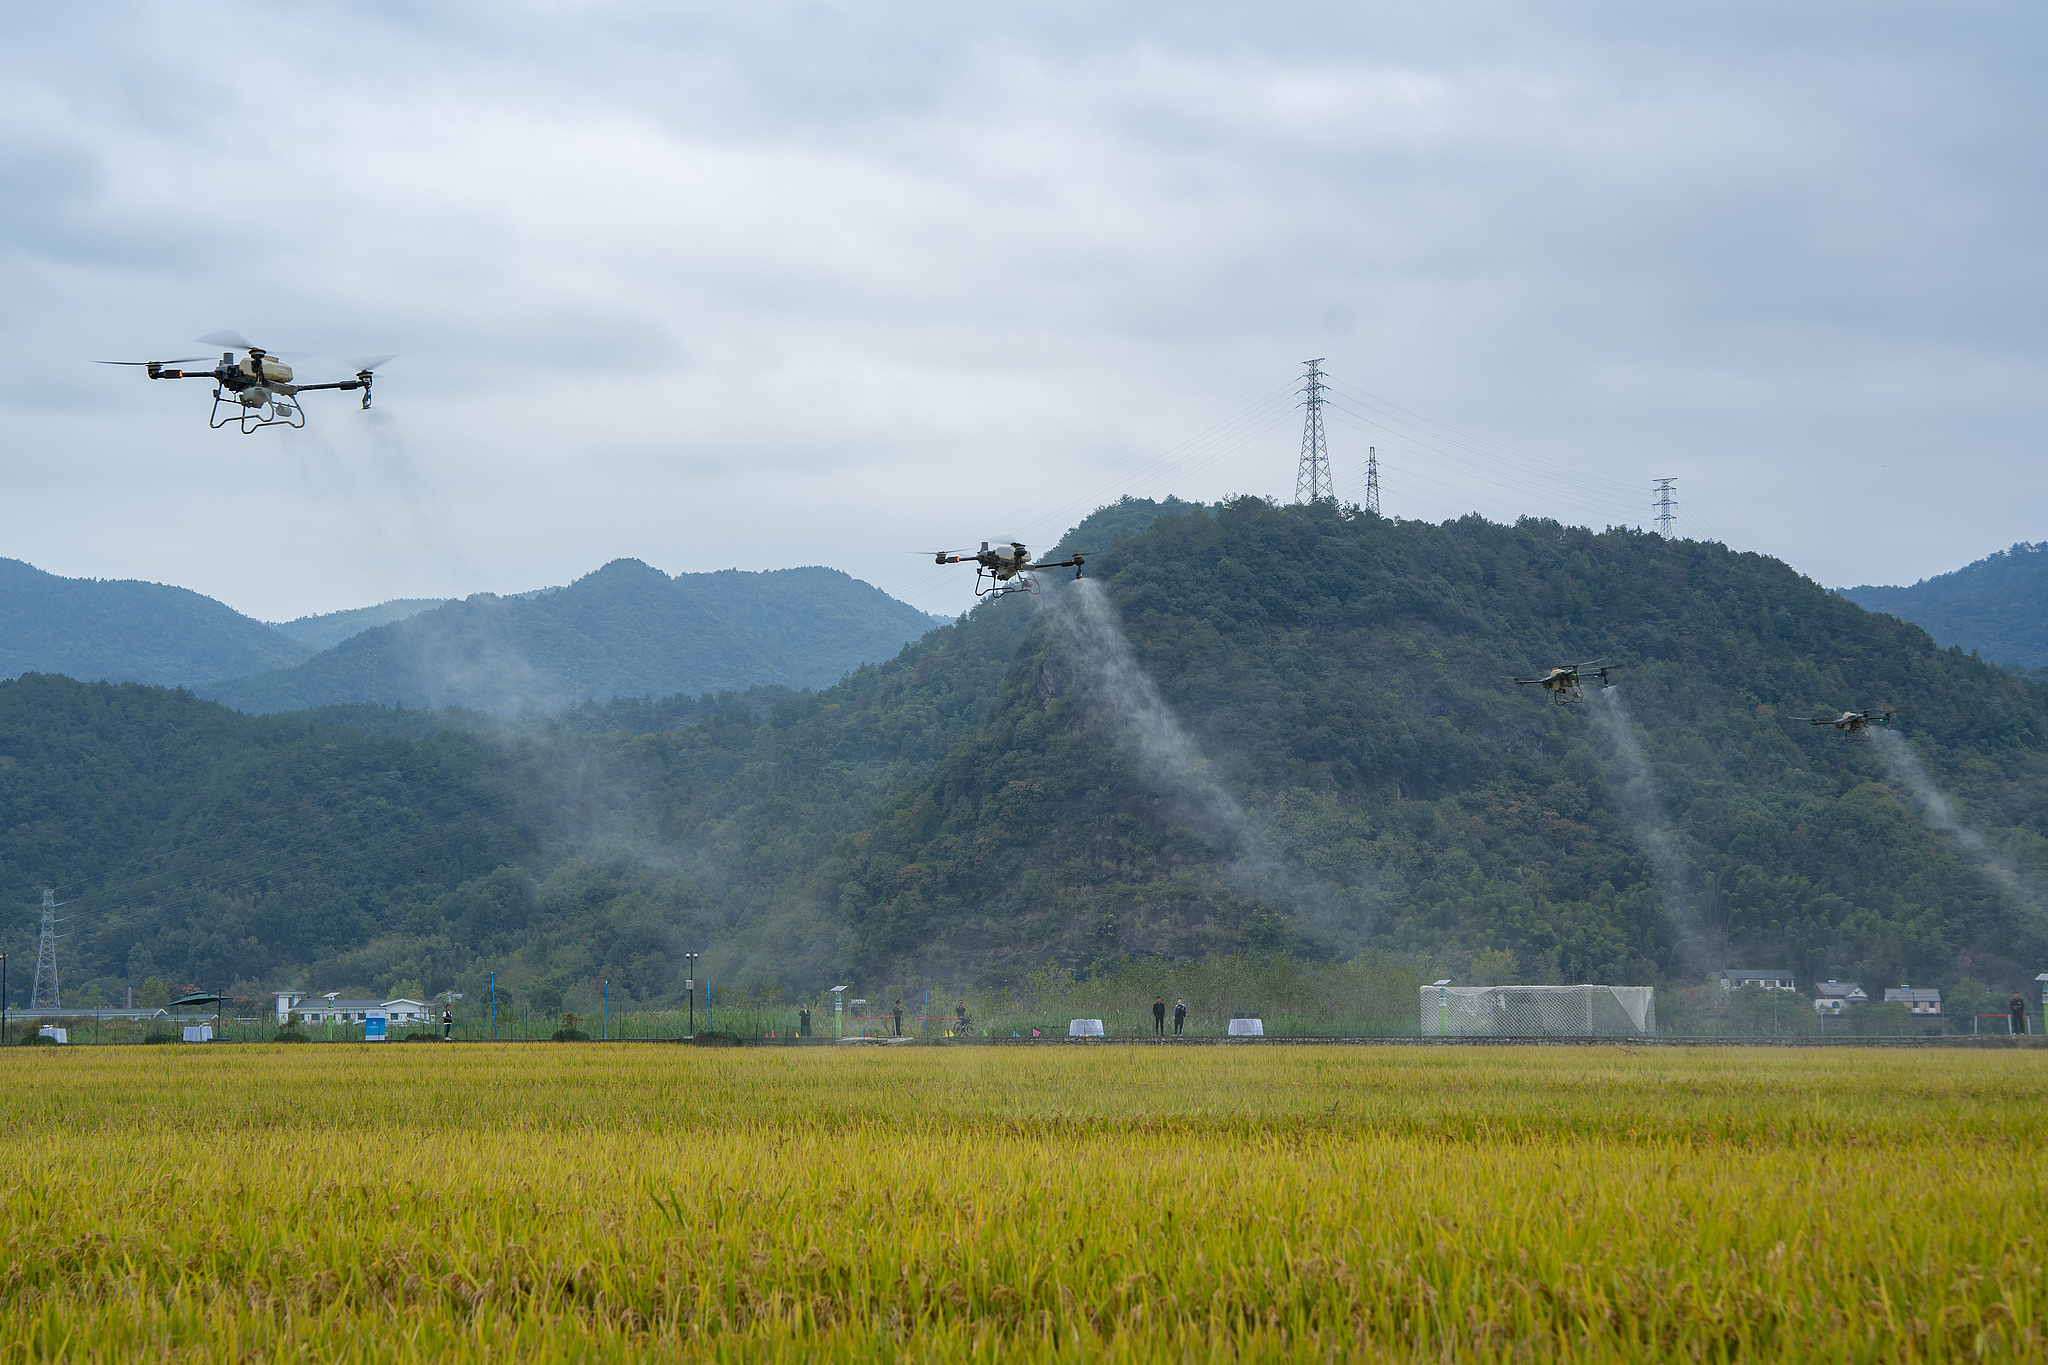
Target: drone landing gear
275	410
1003	587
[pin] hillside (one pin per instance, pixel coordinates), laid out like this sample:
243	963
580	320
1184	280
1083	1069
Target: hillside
1997	606
626	630
330	628
125	630
1308	743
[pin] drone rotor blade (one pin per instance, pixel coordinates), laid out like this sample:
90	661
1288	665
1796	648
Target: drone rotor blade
368	362
181	360
229	338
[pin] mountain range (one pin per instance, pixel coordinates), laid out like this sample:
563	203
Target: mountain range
626	630
1997	606
1254	728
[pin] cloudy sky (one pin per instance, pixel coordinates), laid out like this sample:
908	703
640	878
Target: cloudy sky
774	284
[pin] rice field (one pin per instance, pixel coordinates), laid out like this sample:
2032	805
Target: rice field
589	1202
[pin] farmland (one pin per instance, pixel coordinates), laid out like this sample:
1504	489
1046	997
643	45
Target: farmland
475	1202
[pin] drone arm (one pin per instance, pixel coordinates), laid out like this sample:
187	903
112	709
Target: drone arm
361	381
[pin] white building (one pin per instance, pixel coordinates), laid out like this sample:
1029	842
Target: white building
326	1009
1832	997
1922	1001
1736	977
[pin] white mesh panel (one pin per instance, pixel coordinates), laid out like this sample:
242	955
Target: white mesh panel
1538	1011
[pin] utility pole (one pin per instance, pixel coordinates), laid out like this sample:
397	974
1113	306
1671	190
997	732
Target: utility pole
1312	476
46	995
1372	480
1664	504
690	985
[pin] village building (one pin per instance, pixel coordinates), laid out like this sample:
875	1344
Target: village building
1926	1001
321	1009
1832	997
1763	980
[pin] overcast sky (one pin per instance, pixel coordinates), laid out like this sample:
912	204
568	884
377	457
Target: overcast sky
775	284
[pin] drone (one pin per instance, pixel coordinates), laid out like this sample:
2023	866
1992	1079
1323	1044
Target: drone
1005	569
1850	723
256	391
1562	683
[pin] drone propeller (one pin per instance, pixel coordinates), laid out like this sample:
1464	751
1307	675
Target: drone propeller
368	362
181	360
235	341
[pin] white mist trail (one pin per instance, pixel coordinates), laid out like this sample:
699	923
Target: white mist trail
1904	766
1940	815
1639	797
1092	639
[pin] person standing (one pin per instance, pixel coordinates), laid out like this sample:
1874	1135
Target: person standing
803	1022
2019	1014
1180	1016
899	1018
1159	1015
448	1023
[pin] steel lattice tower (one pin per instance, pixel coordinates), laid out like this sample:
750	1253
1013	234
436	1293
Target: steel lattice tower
1664	504
1312	478
1372	480
46	996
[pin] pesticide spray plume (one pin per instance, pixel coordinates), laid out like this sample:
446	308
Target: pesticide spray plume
1940	815
1639	798
1092	640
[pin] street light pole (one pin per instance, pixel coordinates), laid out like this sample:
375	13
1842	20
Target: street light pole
690	985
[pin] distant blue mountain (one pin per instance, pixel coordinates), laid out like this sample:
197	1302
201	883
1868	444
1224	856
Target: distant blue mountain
329	629
127	631
627	630
1997	606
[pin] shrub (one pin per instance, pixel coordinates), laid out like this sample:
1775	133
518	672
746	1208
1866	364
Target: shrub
571	1035
290	1035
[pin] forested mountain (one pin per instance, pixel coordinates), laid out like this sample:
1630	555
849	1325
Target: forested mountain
1997	606
125	630
330	628
626	630
1303	738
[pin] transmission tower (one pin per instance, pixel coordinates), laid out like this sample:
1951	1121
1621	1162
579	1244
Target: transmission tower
1372	480
46	995
1664	504
1312	478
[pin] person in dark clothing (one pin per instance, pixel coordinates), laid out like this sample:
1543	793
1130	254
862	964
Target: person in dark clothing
2019	1014
448	1024
899	1018
803	1022
1180	1016
960	1021
1159	1015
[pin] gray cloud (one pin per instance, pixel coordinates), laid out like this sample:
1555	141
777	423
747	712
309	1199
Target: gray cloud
762	285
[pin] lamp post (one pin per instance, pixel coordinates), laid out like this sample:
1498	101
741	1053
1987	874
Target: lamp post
690	985
1443	1008
838	1004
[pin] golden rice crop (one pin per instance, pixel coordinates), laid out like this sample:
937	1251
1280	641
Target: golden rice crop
1100	1203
